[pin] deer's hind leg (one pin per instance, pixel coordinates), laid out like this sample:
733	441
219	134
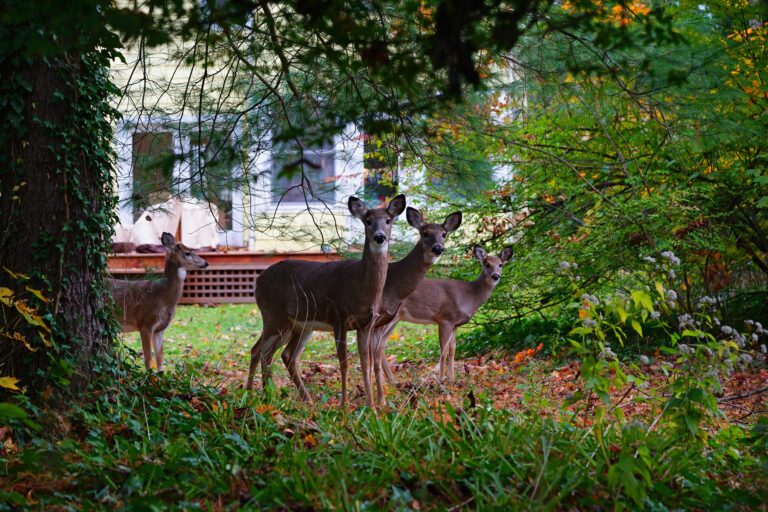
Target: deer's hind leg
157	342
290	356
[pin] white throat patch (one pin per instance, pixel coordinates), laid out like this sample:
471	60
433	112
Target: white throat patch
182	273
379	249
430	258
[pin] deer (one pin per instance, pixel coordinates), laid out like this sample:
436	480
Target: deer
447	303
148	306
403	277
297	297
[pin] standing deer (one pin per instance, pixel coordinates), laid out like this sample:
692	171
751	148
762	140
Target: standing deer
148	306
298	297
403	277
447	303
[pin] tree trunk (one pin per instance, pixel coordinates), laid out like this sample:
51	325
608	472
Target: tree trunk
55	218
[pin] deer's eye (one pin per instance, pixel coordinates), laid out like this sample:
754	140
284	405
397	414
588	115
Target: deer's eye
187	253
369	222
389	221
445	235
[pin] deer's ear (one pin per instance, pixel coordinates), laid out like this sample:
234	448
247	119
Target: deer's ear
414	217
479	253
357	208
167	240
452	222
506	253
396	206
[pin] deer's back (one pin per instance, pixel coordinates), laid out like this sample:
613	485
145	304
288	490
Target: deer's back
437	300
320	292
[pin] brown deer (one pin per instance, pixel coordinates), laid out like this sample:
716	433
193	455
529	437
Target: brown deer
447	303
148	306
298	297
403	277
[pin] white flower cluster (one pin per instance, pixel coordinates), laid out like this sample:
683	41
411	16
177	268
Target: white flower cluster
655	315
607	353
589	323
670	256
564	265
649	259
757	325
685	349
727	330
705	300
671	295
590	299
685	320
644	359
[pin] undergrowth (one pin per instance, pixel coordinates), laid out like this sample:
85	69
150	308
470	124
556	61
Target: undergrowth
177	442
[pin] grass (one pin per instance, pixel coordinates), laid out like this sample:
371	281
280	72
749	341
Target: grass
224	334
193	439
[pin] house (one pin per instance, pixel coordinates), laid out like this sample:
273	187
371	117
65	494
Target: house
203	135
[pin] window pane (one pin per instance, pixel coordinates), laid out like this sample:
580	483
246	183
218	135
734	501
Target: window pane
152	164
311	175
213	160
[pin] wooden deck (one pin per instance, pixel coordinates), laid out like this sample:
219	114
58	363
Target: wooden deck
229	278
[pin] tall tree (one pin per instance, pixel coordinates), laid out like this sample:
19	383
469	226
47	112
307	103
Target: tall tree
56	208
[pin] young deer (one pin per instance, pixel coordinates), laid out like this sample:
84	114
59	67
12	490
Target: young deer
149	306
447	303
297	297
403	277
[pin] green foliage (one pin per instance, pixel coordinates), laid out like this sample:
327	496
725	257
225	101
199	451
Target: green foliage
179	442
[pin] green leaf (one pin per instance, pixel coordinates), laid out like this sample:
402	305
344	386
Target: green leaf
637	327
640	298
11	411
660	289
692	422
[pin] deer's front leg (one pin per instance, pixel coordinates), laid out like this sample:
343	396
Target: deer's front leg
444	335
146	347
451	354
340	335
364	349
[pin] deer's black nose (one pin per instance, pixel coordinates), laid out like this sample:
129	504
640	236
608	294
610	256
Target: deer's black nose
495	277
379	238
437	249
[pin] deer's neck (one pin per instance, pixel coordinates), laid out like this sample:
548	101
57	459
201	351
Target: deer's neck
404	276
173	278
479	291
374	270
